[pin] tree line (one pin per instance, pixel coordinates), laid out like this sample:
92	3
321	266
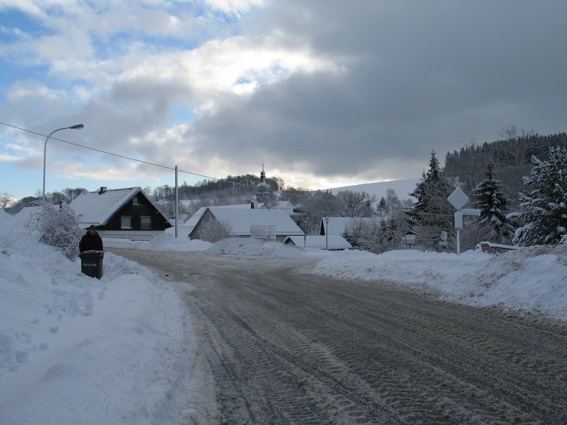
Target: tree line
518	183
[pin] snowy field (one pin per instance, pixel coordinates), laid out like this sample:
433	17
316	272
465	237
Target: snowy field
78	350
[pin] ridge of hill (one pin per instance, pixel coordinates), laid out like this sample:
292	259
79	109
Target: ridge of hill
402	187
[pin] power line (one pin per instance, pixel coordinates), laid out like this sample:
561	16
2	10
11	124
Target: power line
297	196
108	153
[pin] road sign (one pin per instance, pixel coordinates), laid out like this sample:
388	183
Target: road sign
458	198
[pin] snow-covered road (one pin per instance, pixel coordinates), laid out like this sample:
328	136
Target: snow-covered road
285	345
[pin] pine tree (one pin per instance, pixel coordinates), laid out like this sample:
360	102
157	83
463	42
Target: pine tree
432	212
545	216
493	205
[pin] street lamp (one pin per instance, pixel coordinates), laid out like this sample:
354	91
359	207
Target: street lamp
73	127
409	238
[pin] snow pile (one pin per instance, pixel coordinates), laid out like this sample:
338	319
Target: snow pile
164	242
74	349
530	279
255	248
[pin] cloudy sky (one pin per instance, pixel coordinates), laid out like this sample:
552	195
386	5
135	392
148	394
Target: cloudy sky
323	92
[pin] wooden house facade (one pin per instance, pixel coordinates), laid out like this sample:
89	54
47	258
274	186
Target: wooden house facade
120	213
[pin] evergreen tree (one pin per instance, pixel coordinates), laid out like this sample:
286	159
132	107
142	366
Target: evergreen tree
382	208
545	217
493	205
432	212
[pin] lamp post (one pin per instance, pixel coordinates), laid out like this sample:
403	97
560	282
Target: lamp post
72	127
326	233
409	238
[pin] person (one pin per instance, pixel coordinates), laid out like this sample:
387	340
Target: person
91	240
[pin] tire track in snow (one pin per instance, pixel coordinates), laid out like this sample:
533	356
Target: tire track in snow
285	346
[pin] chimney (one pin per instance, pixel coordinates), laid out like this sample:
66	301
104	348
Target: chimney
102	190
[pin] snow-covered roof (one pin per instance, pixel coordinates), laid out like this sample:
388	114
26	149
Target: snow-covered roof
190	224
334	242
287	206
241	206
26	213
98	207
240	220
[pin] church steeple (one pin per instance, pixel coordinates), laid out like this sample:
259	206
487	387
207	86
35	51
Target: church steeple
262	188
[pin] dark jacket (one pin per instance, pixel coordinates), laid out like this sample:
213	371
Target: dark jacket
90	242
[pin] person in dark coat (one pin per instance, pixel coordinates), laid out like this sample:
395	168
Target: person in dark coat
91	240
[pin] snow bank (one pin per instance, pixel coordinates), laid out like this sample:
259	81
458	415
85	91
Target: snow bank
74	349
164	242
255	248
529	279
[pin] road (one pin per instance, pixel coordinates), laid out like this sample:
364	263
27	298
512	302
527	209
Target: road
286	346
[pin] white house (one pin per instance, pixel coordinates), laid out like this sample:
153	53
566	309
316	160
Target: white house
241	222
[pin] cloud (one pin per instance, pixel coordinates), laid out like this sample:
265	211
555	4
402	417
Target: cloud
319	91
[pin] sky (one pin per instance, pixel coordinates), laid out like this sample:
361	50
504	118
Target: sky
325	93
75	349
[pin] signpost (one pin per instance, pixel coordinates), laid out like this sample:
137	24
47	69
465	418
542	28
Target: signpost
459	199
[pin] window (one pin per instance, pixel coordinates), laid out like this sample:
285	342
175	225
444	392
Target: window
135	201
125	222
145	222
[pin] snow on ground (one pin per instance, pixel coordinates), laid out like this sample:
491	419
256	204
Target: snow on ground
74	349
529	280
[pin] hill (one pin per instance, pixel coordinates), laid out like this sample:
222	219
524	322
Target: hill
403	188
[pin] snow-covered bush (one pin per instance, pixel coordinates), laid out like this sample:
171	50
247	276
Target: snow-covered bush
58	227
375	236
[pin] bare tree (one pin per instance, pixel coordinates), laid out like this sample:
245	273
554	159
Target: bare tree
518	160
355	204
6	200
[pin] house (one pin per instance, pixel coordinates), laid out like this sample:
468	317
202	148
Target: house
210	223
120	213
333	242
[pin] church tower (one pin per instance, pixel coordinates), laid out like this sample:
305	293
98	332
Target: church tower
263	191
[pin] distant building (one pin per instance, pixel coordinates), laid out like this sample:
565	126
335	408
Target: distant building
332	242
240	222
263	191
